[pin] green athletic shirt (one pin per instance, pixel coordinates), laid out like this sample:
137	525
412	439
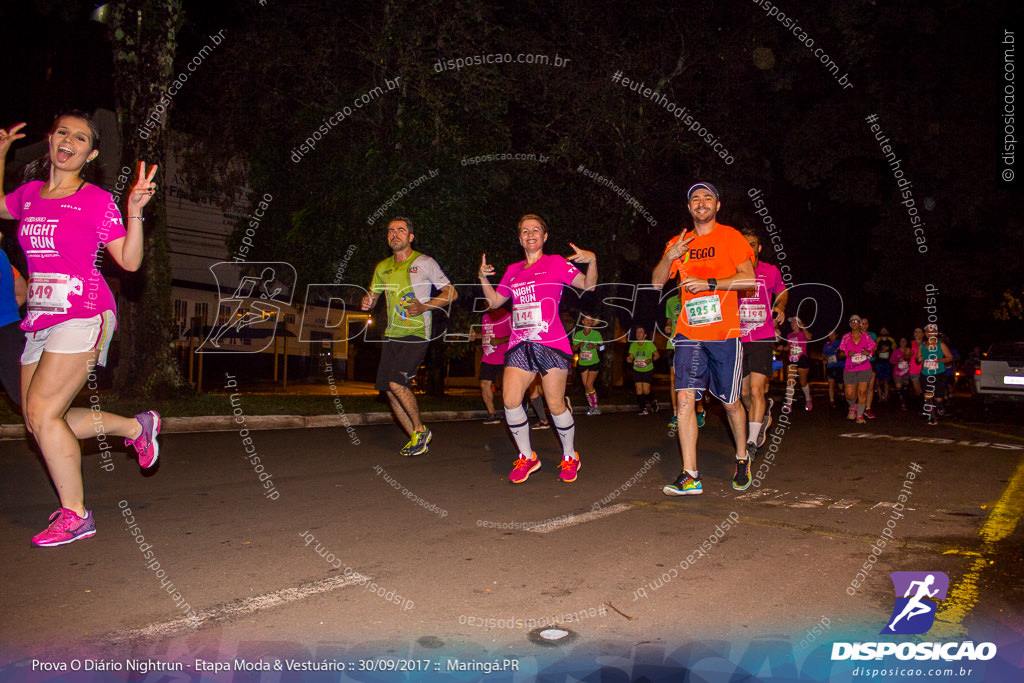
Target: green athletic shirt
673	307
930	363
643	355
590	341
413	278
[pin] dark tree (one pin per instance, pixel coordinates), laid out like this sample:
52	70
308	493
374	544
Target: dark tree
144	38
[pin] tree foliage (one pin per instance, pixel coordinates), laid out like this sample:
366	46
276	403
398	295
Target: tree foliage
144	40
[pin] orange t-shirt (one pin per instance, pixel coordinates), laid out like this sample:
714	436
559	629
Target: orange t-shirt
717	254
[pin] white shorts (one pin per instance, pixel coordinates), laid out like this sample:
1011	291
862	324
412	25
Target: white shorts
78	335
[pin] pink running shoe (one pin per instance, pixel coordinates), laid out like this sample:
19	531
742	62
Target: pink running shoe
524	467
146	445
65	527
569	467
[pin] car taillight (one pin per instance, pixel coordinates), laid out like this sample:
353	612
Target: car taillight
977	371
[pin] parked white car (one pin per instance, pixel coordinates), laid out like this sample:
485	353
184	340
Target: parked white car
999	374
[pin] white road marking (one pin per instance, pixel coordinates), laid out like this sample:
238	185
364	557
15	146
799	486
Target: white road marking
767	496
238	608
580	519
812	501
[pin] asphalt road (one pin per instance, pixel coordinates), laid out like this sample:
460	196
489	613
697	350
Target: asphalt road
355	551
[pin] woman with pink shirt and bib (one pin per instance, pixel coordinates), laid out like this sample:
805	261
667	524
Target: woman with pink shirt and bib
63	221
538	343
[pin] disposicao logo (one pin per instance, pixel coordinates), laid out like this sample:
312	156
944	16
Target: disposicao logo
914	612
917	596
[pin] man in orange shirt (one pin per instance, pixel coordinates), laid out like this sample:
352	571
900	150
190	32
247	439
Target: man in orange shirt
713	262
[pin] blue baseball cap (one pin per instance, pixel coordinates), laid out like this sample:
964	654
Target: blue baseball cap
707	186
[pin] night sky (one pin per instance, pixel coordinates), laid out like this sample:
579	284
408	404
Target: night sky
932	75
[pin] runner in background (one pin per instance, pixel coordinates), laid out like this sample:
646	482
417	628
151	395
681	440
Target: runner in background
833	366
761	308
900	362
642	354
538	344
536	395
884	346
495	328
13	294
950	372
408	279
915	368
933	356
799	361
864	327
857	369
588	345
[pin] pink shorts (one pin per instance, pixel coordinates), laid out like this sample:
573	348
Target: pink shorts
78	335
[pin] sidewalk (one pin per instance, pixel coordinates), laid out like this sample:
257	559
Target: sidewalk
228	423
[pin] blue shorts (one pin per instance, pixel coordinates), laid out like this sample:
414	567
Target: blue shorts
717	365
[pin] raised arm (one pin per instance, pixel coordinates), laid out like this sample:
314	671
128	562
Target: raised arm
487	270
581	256
7	136
127	251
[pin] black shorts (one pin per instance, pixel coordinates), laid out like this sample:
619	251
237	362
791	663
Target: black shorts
883	370
643	376
757	357
804	363
835	372
934	384
400	360
489	372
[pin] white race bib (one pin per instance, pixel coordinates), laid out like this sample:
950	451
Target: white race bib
48	293
832	360
931	364
858	358
903	365
794	356
704	310
752	313
527	316
883	355
586	355
639	362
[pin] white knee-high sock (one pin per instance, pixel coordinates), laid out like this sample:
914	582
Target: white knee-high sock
566	428
519	424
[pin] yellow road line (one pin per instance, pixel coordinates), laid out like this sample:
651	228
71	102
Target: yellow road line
983	430
1003	519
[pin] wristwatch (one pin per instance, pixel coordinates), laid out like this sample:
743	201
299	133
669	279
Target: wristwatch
712	284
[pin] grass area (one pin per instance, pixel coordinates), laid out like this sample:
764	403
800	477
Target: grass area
294	404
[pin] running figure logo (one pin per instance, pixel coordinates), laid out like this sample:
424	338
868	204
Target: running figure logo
914	613
256	299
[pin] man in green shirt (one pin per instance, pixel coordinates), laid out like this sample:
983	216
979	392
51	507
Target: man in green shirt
407	279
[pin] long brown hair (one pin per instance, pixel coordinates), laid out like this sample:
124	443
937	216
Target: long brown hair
40	168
